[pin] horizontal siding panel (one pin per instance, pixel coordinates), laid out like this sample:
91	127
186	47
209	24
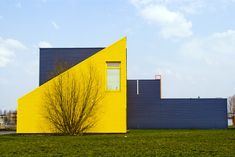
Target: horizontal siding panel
71	56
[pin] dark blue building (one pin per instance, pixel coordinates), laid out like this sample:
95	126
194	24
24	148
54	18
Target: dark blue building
146	109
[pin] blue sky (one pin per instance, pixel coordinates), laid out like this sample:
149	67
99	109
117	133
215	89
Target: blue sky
191	43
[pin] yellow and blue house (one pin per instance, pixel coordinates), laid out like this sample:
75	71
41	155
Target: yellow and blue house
128	104
111	64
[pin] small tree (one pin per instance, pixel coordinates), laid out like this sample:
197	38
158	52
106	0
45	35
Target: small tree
71	102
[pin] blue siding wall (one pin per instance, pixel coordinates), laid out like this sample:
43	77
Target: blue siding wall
49	57
148	111
149	90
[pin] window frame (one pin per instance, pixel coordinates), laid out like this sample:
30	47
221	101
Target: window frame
106	78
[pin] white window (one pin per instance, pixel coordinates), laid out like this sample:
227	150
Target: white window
113	76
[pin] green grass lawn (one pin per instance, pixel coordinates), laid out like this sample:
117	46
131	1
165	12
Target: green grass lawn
135	143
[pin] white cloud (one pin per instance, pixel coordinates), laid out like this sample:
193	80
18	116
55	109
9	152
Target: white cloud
172	21
8	47
187	6
217	49
55	25
171	15
173	24
138	3
44	44
192	6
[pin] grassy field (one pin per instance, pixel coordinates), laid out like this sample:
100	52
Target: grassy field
135	143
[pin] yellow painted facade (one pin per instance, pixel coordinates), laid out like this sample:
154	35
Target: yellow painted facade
111	114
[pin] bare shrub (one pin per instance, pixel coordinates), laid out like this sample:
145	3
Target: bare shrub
72	100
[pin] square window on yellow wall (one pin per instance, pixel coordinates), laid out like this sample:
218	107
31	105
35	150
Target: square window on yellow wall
113	76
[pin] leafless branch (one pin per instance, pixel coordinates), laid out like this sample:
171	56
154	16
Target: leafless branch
72	100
